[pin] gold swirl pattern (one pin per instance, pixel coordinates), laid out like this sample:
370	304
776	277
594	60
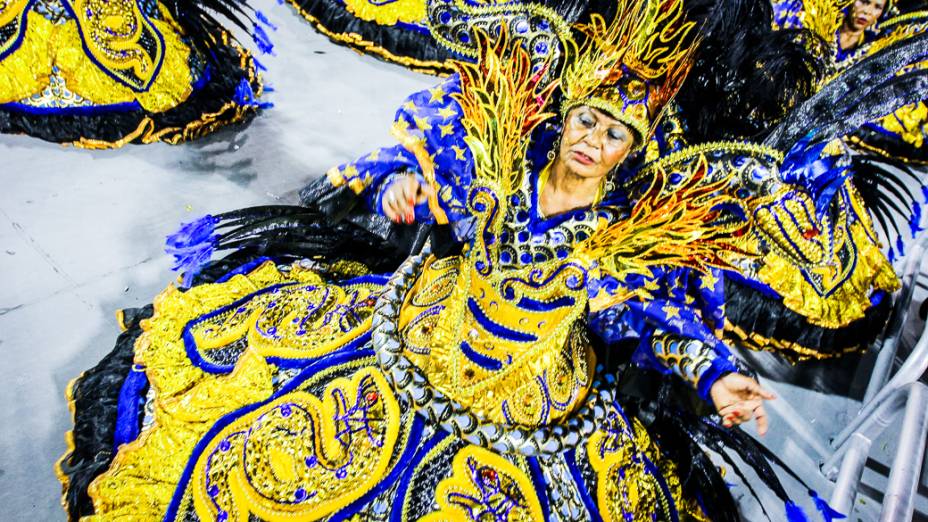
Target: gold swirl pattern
835	290
627	463
24	73
292	322
299	457
171	86
838	293
187	402
121	39
506	362
485	486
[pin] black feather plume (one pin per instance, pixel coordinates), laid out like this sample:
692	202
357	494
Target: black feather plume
201	25
746	75
864	92
890	190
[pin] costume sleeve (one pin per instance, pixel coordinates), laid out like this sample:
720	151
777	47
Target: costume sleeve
787	14
432	147
676	326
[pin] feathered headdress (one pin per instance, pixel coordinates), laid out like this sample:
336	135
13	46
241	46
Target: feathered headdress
632	66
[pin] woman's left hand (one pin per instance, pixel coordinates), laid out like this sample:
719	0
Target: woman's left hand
738	399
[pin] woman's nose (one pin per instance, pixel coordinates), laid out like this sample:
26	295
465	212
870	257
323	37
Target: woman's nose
594	138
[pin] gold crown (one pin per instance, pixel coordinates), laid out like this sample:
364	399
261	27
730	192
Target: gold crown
632	66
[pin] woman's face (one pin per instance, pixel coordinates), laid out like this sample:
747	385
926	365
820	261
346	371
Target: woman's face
593	143
864	13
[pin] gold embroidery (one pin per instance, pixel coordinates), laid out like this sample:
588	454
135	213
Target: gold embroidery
170	87
301	457
387	13
25	71
188	401
121	39
626	484
484	486
837	292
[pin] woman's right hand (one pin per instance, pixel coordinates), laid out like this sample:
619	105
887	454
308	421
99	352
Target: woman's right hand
402	196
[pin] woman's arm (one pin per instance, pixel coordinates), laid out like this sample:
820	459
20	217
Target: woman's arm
425	176
676	327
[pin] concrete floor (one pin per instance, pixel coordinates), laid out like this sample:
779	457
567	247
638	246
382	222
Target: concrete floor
81	234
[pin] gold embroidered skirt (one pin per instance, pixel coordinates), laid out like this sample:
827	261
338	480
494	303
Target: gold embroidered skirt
263	395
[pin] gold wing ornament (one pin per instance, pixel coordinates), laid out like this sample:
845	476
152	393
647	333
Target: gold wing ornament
824	267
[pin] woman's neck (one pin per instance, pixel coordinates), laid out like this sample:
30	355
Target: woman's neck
566	191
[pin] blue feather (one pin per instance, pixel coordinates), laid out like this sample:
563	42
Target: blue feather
925	193
915	220
805	166
258	65
826	187
245	96
828	513
263	19
192	246
891	254
795	513
900	246
262	40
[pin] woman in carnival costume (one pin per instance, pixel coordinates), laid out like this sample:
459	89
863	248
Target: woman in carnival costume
865	27
101	74
479	379
775	306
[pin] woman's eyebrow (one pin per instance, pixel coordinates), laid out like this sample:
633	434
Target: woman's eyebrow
600	116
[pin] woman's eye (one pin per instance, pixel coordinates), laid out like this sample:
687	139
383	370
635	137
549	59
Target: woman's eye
586	120
617	134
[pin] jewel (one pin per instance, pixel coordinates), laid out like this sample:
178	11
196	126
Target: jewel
810	233
488	475
372	397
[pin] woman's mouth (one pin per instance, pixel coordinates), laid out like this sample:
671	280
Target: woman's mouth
862	22
583	158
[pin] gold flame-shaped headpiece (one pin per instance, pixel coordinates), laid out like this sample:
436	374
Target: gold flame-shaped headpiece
632	66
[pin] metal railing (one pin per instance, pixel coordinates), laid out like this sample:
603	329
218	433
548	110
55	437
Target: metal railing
844	458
